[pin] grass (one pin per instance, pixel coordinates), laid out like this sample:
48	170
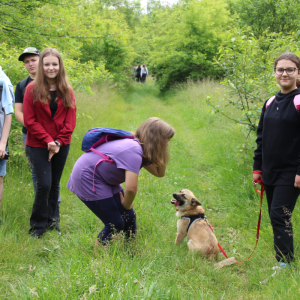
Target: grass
205	158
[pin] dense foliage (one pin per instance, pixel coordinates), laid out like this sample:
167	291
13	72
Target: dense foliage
103	39
187	40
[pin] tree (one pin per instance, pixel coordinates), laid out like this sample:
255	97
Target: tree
16	22
187	40
267	16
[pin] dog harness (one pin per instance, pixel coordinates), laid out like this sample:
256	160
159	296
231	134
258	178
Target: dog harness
193	219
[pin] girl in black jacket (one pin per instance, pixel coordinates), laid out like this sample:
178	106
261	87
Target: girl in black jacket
277	160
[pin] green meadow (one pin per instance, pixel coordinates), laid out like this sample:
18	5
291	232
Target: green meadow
209	155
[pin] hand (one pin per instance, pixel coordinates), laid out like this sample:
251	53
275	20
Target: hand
51	146
257	176
123	201
53	149
297	181
2	150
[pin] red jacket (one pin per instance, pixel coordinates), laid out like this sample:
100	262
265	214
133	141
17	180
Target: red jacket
42	129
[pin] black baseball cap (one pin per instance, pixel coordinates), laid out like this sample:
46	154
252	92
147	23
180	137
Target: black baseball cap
29	51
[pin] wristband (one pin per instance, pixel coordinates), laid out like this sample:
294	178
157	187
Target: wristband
257	172
57	143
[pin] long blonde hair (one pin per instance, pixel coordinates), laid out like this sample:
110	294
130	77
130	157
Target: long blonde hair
153	135
42	87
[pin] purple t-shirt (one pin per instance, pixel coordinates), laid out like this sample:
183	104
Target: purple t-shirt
127	154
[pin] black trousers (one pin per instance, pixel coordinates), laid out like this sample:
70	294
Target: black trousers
45	207
281	202
115	218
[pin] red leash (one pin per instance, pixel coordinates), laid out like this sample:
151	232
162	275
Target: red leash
218	243
261	191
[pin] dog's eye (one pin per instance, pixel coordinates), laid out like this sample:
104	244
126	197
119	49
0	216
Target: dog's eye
183	195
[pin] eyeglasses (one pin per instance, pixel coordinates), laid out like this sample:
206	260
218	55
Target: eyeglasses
289	71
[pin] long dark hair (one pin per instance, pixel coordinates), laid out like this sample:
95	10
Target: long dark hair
292	57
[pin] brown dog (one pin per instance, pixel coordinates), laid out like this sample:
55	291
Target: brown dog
194	225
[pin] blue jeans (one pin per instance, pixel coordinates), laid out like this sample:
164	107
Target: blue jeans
33	174
115	218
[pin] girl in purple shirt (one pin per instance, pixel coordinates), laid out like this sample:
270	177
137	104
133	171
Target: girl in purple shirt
108	201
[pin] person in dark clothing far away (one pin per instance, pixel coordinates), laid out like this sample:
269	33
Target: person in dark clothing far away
276	160
138	73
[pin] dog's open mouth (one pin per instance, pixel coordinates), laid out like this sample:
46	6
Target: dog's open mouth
176	202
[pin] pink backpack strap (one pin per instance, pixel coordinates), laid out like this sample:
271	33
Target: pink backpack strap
297	102
270	101
104	158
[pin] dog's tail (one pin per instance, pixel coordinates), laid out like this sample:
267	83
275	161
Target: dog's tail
226	262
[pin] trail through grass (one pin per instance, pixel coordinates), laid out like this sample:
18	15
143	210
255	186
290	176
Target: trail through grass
205	158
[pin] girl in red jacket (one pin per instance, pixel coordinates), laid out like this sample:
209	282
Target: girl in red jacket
50	118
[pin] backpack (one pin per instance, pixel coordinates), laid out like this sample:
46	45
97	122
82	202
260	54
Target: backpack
296	102
98	136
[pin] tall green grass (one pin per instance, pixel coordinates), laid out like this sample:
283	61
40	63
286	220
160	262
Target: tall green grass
205	158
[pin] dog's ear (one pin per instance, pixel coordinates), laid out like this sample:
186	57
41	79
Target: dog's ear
195	201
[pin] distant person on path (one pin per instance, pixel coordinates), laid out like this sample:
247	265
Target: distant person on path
110	203
144	73
138	73
6	110
277	154
50	118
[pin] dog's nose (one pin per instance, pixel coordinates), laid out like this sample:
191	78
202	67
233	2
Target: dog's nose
174	194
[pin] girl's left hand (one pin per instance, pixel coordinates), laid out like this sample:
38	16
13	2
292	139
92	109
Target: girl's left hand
297	181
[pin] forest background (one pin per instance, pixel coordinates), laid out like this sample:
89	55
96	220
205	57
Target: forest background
209	60
234	41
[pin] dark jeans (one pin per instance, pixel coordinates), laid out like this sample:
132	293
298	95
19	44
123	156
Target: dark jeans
281	202
115	218
143	79
45	213
27	151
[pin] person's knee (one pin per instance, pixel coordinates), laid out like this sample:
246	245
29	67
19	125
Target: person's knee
44	185
111	228
117	225
279	216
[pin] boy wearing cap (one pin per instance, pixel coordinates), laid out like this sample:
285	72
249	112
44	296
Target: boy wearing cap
30	58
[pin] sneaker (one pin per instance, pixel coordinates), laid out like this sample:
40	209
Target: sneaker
284	265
